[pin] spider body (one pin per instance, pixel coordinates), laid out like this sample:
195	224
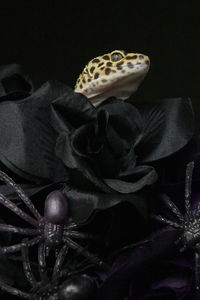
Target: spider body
77	286
52	231
188	224
56	209
53	235
191	234
55	217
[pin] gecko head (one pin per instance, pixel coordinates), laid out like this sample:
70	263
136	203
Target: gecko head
115	74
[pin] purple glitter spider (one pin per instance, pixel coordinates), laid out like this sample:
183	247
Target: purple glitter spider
52	231
77	286
189	224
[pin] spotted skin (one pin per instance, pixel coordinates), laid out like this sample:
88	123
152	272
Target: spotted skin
117	74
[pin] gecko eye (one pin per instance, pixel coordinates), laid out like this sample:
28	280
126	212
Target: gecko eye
116	56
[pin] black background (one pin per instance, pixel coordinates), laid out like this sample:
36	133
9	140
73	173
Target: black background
55	39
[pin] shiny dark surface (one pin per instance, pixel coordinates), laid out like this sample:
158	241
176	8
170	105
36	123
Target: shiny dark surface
56	208
77	288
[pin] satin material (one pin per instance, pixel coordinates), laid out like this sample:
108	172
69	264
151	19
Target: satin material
111	155
103	156
53	138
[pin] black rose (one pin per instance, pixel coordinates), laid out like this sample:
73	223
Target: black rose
110	153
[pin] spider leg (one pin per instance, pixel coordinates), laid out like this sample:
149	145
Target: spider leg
166	221
172	207
17	247
79	235
66	273
71	226
13	291
178	241
93	258
47	250
13	207
26	264
59	261
197	271
197	210
4	177
15	229
183	248
188	187
42	263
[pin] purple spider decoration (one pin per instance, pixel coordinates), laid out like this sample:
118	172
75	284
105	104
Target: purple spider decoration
189	224
78	286
53	231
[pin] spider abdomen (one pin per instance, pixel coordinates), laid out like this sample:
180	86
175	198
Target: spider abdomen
56	208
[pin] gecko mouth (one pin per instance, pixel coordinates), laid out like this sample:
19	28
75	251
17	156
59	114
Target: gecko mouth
122	87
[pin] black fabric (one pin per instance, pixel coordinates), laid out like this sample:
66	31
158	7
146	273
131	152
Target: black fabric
103	155
102	159
112	151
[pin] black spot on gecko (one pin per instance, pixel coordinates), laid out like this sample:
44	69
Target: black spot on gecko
106	57
96	75
92	69
101	64
107	71
83	80
141	56
109	64
119	65
103	80
130	65
129	57
96	60
89	80
81	86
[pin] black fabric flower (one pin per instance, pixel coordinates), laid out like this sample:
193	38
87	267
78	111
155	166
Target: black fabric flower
103	156
27	148
15	84
109	152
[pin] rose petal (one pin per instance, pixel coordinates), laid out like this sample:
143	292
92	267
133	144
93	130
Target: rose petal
14	83
72	161
71	111
168	126
27	138
84	201
147	176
